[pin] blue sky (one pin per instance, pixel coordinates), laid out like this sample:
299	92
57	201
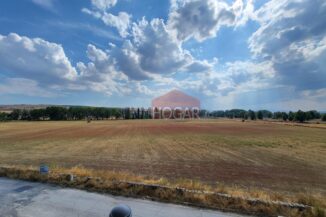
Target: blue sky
229	54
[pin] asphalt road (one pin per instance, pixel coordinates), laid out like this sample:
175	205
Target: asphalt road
27	199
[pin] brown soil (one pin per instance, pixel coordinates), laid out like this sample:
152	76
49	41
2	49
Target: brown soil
249	154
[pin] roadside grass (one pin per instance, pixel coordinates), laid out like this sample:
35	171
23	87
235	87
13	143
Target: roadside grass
183	191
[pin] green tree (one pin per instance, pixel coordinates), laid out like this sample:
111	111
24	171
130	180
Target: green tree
324	117
4	116
37	114
25	115
127	113
291	116
246	116
285	116
313	114
252	115
277	115
16	114
300	116
260	115
56	113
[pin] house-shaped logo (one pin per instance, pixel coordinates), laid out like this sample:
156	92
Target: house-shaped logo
175	104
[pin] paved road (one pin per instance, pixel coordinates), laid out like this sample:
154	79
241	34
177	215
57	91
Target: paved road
27	199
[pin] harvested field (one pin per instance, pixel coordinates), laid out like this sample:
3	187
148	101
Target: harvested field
258	154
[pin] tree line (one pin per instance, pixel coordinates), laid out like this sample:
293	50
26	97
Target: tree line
75	113
299	116
103	113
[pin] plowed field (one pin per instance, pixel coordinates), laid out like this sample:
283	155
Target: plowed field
257	154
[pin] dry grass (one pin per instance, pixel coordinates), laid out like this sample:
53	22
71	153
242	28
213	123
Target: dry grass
264	160
183	191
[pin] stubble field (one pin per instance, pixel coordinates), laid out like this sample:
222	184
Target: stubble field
251	154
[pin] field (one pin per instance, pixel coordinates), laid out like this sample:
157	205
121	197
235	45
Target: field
258	154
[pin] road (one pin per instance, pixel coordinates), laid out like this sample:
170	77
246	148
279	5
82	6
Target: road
28	199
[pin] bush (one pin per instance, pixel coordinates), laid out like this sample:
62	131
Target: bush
324	117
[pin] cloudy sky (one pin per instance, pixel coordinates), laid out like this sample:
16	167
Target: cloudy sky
228	53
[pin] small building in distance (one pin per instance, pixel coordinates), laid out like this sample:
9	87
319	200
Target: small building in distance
175	104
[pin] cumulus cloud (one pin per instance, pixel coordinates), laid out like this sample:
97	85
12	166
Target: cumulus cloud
35	58
99	67
233	77
121	21
202	19
151	50
104	4
292	37
157	50
100	74
199	19
244	11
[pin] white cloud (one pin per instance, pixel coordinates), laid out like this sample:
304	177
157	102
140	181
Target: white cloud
152	50
23	86
292	37
202	19
34	58
100	74
104	33
100	66
295	100
199	19
96	55
104	4
47	4
158	51
243	11
121	21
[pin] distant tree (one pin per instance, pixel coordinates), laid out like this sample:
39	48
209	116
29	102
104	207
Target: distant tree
260	115
285	116
203	113
291	116
324	117
127	113
138	113
300	116
25	115
252	115
4	116
267	114
313	114
242	114
117	113
217	114
235	113
246	116
277	115
37	114
56	113
16	114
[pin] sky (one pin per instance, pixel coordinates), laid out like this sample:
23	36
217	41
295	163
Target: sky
250	54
